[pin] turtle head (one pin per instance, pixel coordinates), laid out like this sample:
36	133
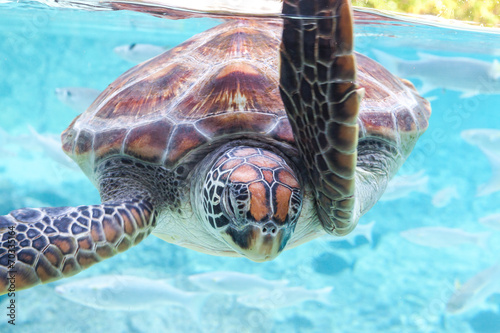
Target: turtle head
251	201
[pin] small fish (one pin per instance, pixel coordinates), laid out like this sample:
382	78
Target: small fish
233	282
331	264
488	140
284	297
444	196
77	98
128	293
361	230
51	146
475	291
401	186
469	76
491	221
439	237
137	53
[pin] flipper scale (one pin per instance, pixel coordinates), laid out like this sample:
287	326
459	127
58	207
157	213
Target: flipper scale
319	90
40	245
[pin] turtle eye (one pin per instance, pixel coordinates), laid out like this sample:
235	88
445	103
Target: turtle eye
295	206
236	201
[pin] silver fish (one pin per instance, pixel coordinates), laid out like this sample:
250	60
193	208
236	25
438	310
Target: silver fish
128	293
444	196
137	53
439	237
401	186
469	76
284	297
233	282
51	146
475	291
488	140
77	98
491	221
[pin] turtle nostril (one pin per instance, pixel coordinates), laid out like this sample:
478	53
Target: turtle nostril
270	229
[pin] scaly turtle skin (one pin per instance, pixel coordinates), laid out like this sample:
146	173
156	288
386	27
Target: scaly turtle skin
228	144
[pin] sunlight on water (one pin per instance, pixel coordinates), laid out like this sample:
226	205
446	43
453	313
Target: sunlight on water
400	274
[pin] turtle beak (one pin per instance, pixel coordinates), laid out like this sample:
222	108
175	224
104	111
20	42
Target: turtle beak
259	243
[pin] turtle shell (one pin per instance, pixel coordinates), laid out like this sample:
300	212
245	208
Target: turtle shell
221	85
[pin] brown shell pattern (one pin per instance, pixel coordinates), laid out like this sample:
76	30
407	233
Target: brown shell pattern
219	85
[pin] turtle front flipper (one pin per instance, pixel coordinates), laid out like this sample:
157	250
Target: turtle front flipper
40	245
321	98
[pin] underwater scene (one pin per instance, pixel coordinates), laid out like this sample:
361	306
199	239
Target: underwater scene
423	259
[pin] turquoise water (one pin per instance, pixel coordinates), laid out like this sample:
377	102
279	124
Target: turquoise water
387	285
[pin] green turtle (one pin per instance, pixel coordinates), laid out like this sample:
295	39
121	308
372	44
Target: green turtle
228	144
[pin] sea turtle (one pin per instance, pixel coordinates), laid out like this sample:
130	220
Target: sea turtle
227	144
